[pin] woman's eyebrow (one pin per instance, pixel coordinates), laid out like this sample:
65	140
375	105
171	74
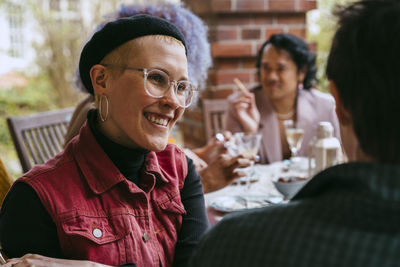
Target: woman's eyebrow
185	78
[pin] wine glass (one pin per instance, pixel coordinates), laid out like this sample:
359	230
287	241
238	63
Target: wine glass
294	137
245	144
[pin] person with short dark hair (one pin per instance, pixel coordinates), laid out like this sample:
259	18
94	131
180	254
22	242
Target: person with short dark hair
286	72
347	215
118	193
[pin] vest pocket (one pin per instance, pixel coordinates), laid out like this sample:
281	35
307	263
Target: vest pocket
171	203
95	235
98	229
173	206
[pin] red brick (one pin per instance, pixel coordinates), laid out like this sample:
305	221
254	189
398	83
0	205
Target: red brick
226	34
271	31
231	50
306	5
291	19
281	5
249	5
238	19
249	63
226	63
221	5
262	20
199	7
227	77
248	34
219	93
298	32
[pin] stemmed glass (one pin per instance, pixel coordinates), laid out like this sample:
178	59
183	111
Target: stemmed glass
294	137
245	144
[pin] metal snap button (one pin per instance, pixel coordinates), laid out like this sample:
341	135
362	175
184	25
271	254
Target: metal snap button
145	237
97	233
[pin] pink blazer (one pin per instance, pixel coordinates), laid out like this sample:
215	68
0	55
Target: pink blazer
313	107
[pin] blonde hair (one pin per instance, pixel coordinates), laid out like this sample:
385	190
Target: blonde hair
120	55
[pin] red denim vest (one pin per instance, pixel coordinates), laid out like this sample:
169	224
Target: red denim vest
103	217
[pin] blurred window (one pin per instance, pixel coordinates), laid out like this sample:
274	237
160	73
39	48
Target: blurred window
16	21
73	5
55	5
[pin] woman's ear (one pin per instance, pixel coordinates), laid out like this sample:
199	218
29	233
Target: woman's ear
98	76
349	139
343	115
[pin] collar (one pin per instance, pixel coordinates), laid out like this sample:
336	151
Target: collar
98	169
377	180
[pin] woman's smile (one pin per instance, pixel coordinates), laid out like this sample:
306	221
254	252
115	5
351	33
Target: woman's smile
157	119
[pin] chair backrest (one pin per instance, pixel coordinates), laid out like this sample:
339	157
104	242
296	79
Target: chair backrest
39	137
215	113
5	182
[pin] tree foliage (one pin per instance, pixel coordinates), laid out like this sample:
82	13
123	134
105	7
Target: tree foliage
326	24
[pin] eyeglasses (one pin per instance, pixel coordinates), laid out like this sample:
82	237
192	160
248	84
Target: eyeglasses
157	83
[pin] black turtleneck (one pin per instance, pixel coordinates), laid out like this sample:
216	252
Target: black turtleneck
33	231
128	160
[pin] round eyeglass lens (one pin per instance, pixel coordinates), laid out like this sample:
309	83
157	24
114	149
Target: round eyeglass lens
157	84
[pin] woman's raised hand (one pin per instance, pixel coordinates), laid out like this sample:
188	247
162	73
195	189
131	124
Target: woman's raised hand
245	110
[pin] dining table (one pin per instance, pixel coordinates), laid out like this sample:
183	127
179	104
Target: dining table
257	190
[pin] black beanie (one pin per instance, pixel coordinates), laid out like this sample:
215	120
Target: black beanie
118	32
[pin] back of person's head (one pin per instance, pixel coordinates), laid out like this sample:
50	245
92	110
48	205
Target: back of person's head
364	64
299	52
192	27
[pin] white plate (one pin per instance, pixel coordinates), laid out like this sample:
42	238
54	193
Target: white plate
235	203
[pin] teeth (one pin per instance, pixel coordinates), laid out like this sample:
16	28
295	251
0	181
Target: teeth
154	119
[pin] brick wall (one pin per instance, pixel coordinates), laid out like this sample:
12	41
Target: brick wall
237	29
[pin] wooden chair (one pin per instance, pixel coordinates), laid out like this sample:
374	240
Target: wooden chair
215	113
5	182
39	137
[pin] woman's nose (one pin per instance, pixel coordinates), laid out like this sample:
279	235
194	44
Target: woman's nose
170	98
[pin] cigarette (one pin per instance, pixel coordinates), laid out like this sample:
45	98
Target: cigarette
240	85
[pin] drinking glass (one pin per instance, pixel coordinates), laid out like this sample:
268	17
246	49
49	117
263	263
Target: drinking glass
245	144
294	137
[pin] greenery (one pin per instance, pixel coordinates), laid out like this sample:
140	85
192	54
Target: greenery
325	24
16	101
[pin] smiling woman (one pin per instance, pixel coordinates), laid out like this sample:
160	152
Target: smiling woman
118	194
135	115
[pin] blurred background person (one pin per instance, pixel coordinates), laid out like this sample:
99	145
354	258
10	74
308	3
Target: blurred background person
214	164
287	73
347	215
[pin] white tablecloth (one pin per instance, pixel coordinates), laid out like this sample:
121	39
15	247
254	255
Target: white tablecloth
264	186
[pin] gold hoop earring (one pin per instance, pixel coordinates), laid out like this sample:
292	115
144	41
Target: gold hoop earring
103	119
